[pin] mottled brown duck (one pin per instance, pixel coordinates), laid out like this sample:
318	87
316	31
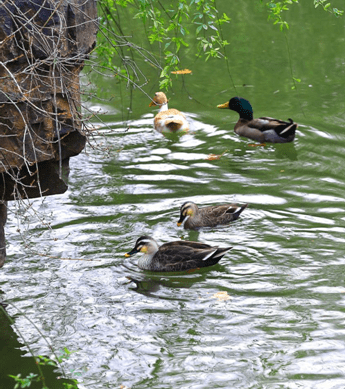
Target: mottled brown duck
212	216
175	256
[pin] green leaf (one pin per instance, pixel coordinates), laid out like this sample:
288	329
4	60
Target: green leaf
198	29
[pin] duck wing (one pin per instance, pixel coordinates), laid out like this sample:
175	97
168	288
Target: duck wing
183	244
267	123
221	214
267	129
182	255
215	210
280	127
220	210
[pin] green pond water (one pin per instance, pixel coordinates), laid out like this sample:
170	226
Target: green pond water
282	321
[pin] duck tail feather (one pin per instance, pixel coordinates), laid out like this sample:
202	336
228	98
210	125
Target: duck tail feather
288	131
174	124
242	208
210	255
221	252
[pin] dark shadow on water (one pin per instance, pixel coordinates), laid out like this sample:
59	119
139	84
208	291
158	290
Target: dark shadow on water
191	235
150	283
13	360
281	150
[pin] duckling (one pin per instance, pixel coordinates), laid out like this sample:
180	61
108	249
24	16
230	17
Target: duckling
264	129
175	256
168	120
212	216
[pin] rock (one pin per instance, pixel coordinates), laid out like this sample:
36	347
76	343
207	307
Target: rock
43	48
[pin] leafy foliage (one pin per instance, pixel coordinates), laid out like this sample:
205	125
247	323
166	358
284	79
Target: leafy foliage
41	360
167	27
327	7
55	361
25	382
276	8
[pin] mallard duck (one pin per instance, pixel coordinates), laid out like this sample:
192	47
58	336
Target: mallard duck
175	256
168	120
264	129
212	216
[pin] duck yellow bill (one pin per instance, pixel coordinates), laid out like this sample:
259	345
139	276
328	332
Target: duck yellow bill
178	224
127	255
225	105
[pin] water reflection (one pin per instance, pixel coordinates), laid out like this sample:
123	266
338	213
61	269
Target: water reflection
152	285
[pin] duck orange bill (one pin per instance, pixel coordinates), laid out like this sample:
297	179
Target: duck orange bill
129	254
225	105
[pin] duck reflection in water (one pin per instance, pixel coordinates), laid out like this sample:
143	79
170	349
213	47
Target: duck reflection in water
149	285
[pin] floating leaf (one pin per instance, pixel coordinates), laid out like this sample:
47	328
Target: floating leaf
222	296
256	144
183	71
213	157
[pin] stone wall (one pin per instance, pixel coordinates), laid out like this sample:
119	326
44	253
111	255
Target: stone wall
44	44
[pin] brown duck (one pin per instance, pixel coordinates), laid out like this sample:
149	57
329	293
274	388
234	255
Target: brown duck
212	216
175	256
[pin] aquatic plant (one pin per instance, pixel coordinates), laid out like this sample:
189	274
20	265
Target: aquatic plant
40	360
